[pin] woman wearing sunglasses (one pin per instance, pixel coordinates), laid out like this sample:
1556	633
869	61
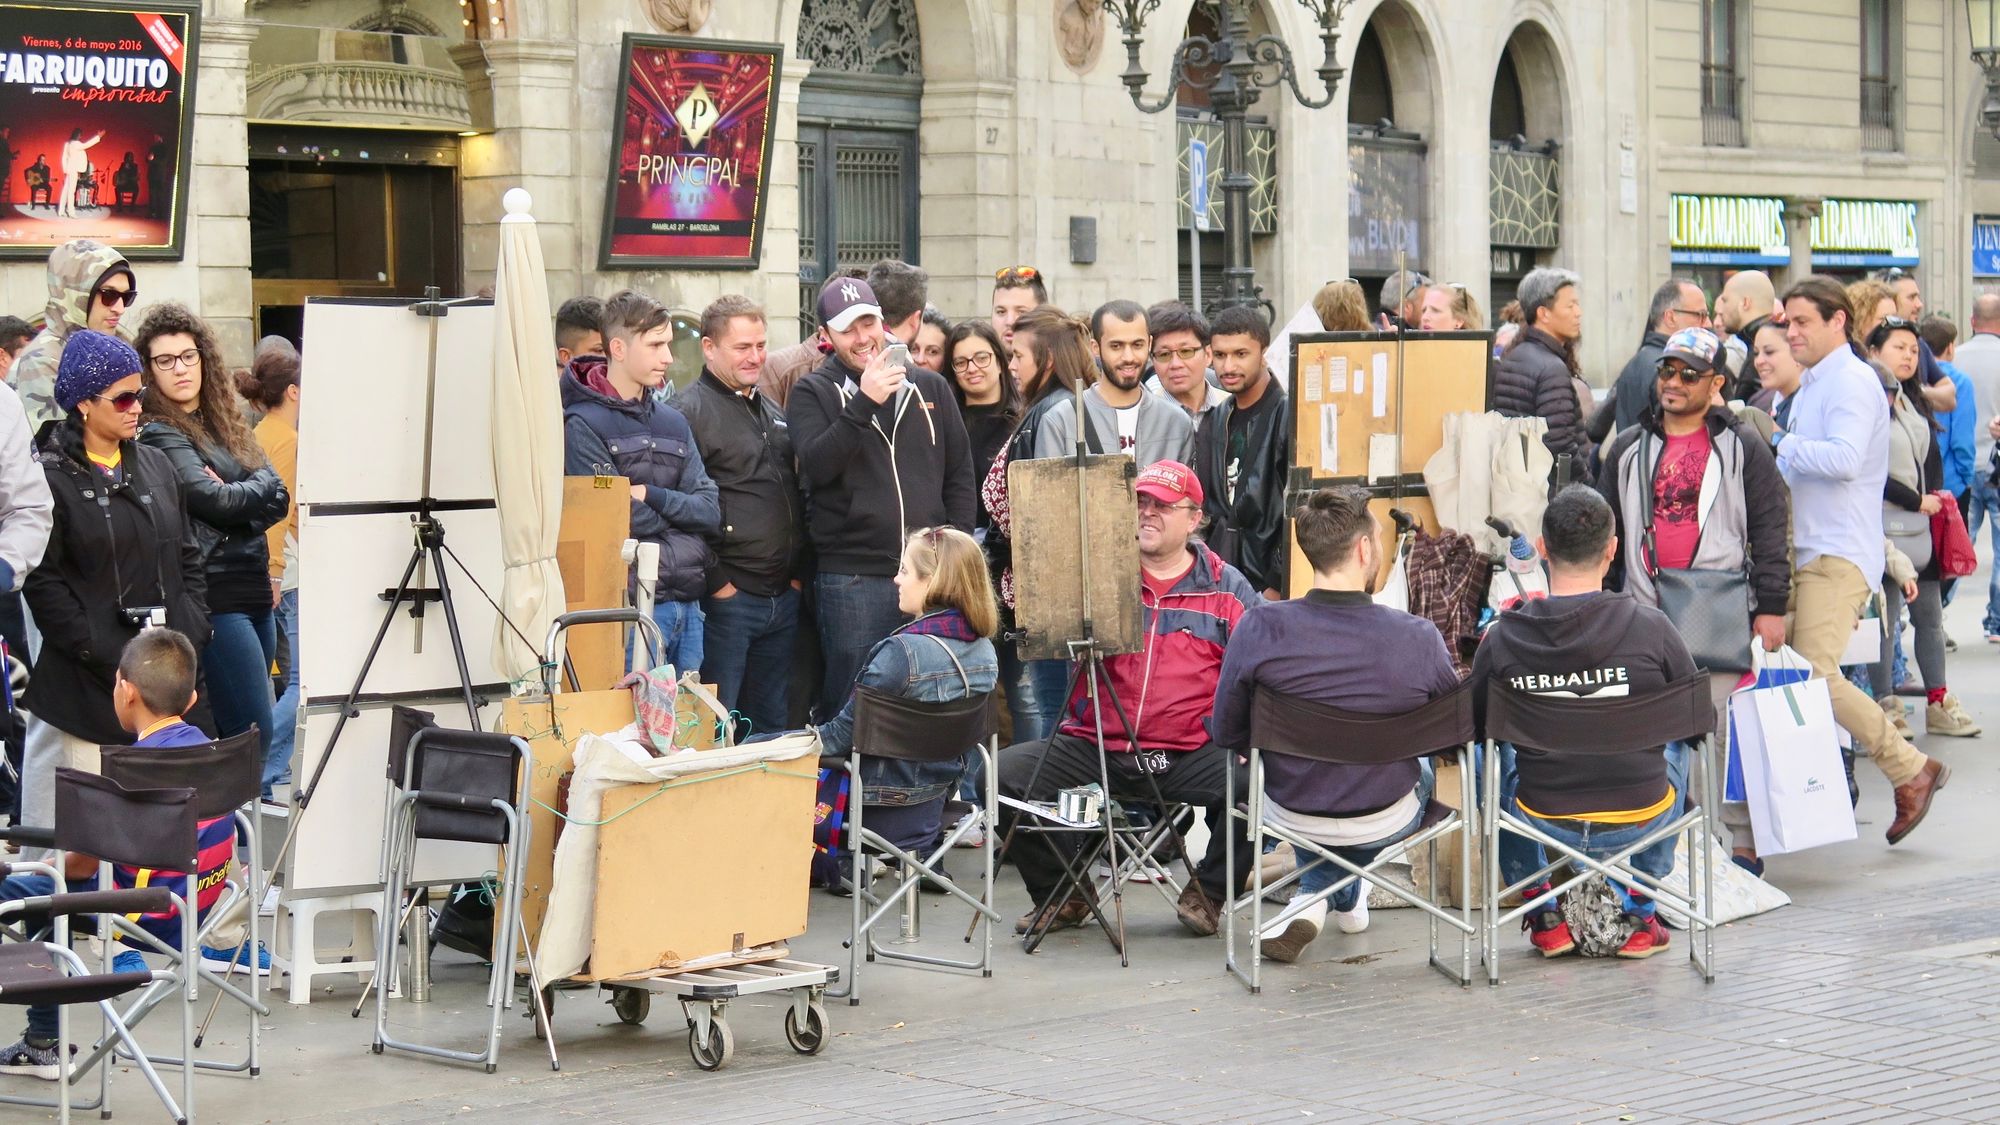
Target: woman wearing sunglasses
233	496
121	556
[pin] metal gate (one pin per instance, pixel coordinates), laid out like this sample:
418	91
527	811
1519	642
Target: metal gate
857	204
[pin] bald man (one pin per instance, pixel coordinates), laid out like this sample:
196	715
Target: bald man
1979	357
1745	303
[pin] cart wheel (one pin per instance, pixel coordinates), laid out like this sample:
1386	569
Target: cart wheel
713	1054
631	1004
809	1039
547	1014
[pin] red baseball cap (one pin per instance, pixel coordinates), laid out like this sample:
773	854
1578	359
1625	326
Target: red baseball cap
1169	482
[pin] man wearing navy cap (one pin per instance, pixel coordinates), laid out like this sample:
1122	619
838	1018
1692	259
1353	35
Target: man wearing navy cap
882	452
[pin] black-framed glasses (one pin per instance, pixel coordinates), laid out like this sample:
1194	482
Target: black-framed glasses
167	361
1699	314
124	402
979	360
107	295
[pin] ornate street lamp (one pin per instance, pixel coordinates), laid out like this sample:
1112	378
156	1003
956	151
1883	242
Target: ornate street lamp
1235	69
1982	18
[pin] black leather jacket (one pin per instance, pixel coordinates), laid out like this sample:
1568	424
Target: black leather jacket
1250	534
229	515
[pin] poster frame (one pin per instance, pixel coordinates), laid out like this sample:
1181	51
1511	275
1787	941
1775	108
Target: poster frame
176	247
606	260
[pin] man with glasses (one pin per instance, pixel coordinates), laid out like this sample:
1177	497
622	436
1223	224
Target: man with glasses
1677	304
1016	290
91	286
1123	418
1181	359
1192	601
1693	488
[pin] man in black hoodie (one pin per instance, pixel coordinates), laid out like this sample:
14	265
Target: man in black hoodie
882	452
1583	642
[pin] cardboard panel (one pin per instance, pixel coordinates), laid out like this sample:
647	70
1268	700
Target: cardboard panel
1050	549
707	865
1370	385
596	519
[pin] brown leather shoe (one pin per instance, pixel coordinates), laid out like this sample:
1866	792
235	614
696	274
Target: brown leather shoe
1069	914
1913	799
1198	912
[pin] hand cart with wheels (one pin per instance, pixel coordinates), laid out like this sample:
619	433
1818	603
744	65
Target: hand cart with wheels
705	995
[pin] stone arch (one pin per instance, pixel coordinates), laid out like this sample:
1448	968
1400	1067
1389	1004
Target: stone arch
1409	61
947	29
398	20
1543	74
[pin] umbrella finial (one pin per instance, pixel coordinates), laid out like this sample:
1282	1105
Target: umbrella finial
516	202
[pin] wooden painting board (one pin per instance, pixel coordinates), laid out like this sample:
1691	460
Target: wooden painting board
1371	385
596	519
1049	553
1416	505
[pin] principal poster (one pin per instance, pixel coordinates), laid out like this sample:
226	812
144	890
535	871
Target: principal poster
690	153
95	103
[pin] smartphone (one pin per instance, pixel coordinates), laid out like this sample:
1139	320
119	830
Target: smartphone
898	355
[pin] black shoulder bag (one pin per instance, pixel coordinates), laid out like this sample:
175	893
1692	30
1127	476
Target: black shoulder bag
1710	608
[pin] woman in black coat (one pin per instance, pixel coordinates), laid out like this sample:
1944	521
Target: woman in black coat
233	495
121	556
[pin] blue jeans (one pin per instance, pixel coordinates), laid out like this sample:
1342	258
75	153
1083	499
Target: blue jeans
680	634
747	640
1319	874
285	713
237	666
1986	509
855	612
1521	857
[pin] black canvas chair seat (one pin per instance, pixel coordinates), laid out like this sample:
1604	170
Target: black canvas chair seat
226	774
890	726
1554	724
458	775
1300	728
30	975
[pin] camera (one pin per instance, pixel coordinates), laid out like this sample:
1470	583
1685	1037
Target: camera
143	616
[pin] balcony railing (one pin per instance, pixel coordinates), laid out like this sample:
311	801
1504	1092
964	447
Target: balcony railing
1878	115
355	78
1721	107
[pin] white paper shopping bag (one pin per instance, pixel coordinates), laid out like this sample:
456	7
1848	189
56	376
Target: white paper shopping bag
1796	785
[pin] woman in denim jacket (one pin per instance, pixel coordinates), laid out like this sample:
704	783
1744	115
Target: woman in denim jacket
946	654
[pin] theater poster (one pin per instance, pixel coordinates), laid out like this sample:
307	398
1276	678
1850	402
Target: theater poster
96	112
690	154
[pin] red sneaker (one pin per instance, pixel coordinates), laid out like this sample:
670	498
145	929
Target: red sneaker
1648	939
1548	933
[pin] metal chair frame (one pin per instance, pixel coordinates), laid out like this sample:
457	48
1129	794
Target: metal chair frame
1349	738
872	711
1681	713
399	853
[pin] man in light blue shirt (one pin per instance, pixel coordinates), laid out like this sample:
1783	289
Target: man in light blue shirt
1979	358
1834	454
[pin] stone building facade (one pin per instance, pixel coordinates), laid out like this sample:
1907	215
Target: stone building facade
1477	139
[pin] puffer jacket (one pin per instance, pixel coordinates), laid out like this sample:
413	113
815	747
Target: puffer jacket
76	269
1169	689
1533	381
229	516
116	544
934	659
648	443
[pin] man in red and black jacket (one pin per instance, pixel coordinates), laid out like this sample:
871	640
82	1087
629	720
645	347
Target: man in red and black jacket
1193	601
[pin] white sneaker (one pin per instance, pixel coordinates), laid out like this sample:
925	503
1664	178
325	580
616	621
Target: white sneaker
1356	920
1286	942
976	838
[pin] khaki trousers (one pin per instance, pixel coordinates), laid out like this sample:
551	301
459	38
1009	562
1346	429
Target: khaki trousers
1827	598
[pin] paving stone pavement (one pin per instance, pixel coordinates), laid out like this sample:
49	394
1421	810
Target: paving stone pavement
1869	999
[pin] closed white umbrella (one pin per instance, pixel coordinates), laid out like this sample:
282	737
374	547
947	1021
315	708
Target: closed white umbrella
527	443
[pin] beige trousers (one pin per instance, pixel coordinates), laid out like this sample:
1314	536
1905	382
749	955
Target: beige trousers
1827	598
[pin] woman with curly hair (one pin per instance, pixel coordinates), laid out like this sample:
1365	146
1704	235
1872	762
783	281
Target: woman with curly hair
193	415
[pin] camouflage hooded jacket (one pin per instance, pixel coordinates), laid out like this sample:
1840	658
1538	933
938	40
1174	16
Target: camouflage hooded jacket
76	269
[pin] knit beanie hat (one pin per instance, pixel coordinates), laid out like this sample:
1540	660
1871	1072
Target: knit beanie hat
91	362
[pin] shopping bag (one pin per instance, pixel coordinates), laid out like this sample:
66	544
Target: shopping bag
1955	555
1395	591
1865	646
1773	669
1792	774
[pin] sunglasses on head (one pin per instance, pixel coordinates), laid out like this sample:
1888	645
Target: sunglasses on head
1017	273
106	295
125	401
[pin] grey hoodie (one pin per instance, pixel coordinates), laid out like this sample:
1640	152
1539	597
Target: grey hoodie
1165	434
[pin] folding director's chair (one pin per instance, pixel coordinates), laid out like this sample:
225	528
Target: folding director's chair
469	786
136	828
1298	728
1565	727
888	726
226	777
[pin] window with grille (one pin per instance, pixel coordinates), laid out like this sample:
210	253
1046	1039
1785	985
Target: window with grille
1721	73
1881	73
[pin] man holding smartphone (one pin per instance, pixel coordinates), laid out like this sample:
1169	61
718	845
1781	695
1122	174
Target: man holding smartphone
882	452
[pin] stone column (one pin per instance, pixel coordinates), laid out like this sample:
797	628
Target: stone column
1800	211
218	213
969	145
525	91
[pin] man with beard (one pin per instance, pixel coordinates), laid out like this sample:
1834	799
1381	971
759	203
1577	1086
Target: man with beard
1243	453
1124	418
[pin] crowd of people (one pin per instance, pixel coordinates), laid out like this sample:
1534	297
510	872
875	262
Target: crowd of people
836	512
